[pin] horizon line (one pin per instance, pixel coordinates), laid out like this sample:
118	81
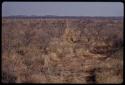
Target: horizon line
55	16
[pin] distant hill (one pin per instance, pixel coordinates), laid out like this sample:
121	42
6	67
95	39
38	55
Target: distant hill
59	17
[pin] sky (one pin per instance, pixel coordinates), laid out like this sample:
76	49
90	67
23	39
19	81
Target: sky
62	8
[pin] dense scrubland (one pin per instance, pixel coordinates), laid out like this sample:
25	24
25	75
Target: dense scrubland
62	50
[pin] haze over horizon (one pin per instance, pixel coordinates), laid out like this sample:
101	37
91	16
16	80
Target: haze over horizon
105	9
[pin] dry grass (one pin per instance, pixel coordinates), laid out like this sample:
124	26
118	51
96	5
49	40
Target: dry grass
61	51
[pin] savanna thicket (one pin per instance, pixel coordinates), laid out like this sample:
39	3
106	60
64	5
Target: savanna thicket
62	50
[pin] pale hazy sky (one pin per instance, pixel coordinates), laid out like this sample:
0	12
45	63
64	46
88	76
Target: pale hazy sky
63	8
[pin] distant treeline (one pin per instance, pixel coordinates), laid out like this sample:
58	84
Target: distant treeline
60	17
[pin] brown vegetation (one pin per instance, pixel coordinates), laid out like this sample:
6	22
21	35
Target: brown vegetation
62	51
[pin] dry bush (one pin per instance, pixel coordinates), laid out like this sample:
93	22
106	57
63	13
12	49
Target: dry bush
88	50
